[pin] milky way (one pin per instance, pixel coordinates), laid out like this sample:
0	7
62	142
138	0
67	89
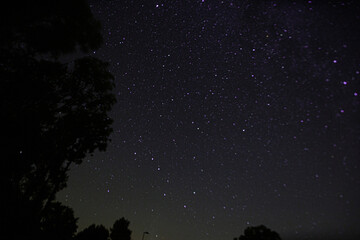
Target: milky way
229	114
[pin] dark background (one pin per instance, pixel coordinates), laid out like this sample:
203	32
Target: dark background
230	114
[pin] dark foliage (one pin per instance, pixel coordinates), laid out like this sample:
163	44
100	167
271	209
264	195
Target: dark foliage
259	233
58	222
120	230
53	113
43	27
93	232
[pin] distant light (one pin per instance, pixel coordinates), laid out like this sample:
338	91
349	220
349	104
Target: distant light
335	61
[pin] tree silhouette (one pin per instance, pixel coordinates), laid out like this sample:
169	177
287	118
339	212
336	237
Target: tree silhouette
93	232
259	233
54	112
120	230
58	222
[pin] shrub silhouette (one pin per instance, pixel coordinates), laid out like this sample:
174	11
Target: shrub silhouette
259	233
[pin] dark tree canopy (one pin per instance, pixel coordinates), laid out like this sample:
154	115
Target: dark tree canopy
58	222
120	230
259	233
93	232
43	27
54	113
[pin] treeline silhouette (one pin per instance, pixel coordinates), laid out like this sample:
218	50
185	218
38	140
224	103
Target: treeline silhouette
119	231
53	112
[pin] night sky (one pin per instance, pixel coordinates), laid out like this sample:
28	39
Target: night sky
229	114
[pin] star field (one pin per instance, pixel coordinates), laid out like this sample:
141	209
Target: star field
229	114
